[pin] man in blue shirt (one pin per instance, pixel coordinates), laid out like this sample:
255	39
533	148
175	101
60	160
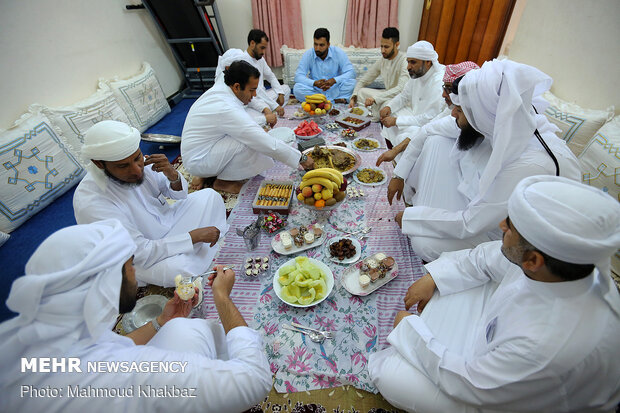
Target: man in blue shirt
325	70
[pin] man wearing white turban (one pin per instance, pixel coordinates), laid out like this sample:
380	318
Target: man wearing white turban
124	184
420	100
462	190
530	323
219	138
76	283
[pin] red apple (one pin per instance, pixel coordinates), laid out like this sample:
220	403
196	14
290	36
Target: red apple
343	187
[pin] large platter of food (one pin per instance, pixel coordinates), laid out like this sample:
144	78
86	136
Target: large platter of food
370	274
349	120
370	176
341	159
303	282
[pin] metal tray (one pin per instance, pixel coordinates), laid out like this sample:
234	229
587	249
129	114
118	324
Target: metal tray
158	138
358	158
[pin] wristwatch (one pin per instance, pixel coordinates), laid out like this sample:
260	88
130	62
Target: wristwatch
155	324
176	181
303	158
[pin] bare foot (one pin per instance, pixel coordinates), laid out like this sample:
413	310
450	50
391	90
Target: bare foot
197	183
233	187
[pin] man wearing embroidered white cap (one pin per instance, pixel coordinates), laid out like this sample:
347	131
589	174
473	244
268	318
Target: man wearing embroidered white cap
462	189
76	283
124	184
420	100
530	323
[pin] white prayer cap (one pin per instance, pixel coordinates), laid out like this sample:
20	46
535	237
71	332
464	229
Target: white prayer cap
422	50
565	219
110	140
70	293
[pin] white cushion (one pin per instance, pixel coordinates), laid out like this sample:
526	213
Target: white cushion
4	237
600	159
577	124
360	58
73	121
140	96
36	168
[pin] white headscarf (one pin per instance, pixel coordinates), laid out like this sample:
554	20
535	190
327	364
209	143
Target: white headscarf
497	102
423	50
70	293
225	60
108	140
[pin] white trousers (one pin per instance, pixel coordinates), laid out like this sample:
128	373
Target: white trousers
395	134
274	95
203	208
192	335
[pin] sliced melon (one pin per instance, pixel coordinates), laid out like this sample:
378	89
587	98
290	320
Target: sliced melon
307	297
302	281
288	296
320	287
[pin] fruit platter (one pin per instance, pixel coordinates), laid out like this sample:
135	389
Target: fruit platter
316	105
322	189
307	130
303	282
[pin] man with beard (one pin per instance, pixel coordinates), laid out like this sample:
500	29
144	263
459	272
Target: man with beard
461	190
326	70
278	94
76	283
121	183
420	101
529	323
392	69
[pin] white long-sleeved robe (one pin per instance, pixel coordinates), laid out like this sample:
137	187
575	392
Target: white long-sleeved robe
269	96
220	139
417	104
224	373
160	230
492	339
444	216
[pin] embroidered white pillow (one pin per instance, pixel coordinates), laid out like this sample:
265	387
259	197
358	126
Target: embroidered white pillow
577	124
74	120
36	167
600	159
141	97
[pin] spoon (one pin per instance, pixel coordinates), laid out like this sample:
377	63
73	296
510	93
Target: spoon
316	337
326	334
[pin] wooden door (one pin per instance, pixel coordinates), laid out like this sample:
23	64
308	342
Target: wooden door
465	29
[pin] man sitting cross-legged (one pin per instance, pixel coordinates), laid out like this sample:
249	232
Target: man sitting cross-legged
221	140
124	184
527	324
76	283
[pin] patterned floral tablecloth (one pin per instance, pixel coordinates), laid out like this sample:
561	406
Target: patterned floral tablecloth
360	324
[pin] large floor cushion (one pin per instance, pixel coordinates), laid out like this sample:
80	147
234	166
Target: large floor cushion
141	97
74	120
36	168
577	124
360	58
600	159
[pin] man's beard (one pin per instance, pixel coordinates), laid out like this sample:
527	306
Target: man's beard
391	54
256	54
513	254
417	74
127	300
119	181
321	54
468	138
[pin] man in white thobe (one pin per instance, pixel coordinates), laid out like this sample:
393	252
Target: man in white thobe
121	183
393	71
220	139
76	283
530	323
462	188
278	94
420	101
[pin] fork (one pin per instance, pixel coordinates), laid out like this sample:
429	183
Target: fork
210	272
326	334
314	336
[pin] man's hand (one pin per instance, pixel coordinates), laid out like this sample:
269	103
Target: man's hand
175	307
387	156
280	100
399	317
308	165
399	219
205	234
386	111
369	102
271	119
388	121
319	83
160	164
328	83
395	186
280	111
222	283
353	101
420	292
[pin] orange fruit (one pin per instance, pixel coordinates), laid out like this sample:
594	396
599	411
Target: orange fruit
312	112
307	107
320	203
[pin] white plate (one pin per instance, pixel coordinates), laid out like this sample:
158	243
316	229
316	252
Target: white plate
146	309
374	183
284	134
365	111
365	150
356	244
350	279
308	137
277	288
276	244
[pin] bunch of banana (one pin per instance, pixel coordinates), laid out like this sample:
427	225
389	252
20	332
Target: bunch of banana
321	187
327	177
316	98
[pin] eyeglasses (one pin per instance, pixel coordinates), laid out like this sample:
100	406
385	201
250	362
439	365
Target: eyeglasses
447	88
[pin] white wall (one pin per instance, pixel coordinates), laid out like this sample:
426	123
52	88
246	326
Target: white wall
577	43
53	52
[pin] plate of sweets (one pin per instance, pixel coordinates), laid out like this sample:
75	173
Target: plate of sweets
297	239
303	282
369	274
343	250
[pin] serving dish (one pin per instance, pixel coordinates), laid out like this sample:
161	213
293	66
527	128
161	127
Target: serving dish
355	143
364	110
283	133
354	258
277	288
350	278
146	309
358	158
276	244
384	180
